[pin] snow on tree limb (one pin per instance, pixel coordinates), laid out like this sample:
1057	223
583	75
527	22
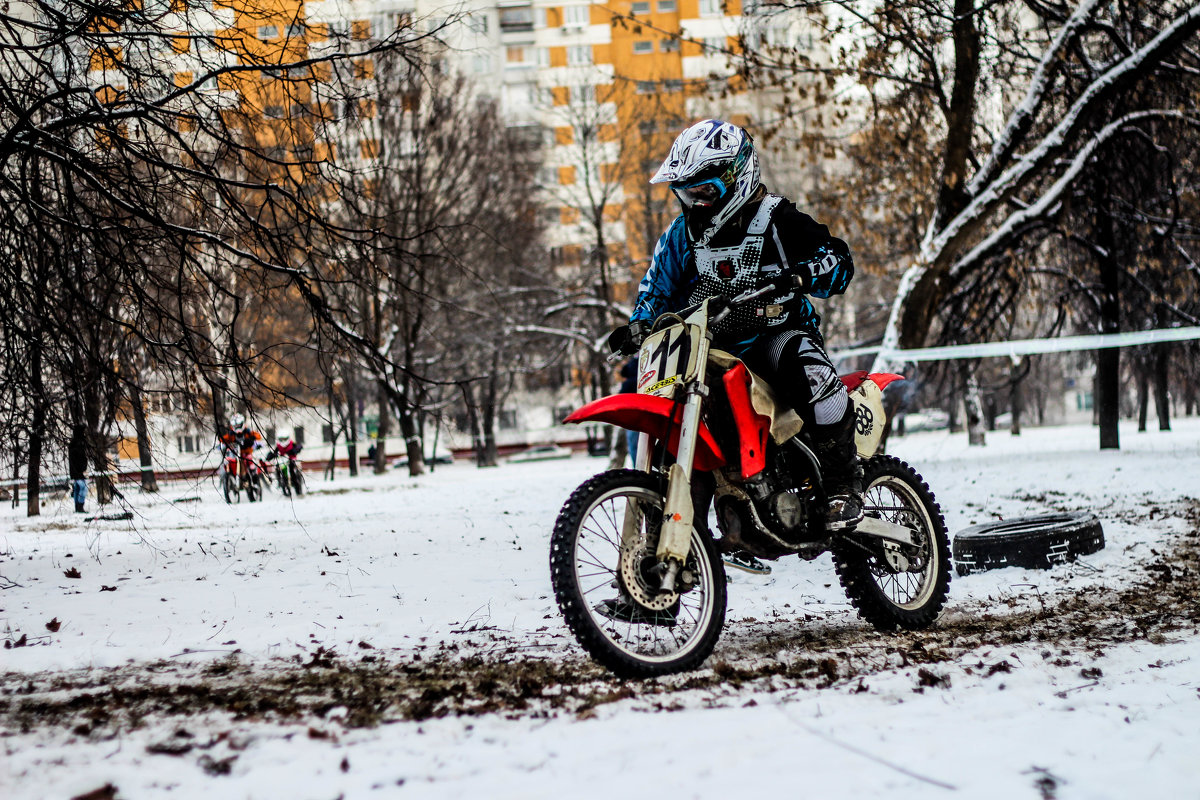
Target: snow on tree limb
1022	117
992	194
1051	196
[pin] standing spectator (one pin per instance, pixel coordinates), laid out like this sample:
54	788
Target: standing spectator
77	466
628	386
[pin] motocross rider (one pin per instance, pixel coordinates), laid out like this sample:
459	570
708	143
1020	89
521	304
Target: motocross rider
733	235
240	438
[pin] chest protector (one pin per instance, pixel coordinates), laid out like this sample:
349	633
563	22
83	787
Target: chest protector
732	270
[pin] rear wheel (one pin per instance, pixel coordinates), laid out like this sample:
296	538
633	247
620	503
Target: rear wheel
607	592
285	484
297	479
896	585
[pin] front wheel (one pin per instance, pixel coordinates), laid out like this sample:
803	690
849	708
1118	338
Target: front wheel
606	591
232	494
254	488
285	485
896	585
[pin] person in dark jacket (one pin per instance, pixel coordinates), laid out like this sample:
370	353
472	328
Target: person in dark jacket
733	235
77	466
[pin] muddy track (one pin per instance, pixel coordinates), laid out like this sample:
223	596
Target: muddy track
1069	627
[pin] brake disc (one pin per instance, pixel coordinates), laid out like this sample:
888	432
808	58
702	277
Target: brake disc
638	577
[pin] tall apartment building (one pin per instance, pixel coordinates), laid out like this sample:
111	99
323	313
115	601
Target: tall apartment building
609	85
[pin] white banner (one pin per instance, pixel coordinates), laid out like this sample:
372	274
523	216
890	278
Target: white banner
1022	347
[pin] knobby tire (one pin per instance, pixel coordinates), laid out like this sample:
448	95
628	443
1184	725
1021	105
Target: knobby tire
860	571
567	555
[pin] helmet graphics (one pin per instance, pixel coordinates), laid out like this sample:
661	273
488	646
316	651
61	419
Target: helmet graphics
713	170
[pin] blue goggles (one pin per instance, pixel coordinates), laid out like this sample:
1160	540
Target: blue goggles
701	193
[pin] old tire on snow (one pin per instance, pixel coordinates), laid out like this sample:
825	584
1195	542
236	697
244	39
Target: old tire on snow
1037	542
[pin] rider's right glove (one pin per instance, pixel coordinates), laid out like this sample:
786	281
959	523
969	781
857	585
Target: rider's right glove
626	339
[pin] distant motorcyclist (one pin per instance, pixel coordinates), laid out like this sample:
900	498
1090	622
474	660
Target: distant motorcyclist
285	446
731	236
240	438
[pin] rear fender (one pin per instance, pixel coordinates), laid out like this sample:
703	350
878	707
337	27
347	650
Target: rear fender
866	394
658	416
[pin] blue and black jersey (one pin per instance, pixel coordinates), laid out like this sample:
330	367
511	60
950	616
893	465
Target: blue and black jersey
793	242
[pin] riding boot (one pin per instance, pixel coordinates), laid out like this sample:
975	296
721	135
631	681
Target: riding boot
841	472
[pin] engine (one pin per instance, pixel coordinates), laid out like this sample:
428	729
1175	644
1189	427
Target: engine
770	515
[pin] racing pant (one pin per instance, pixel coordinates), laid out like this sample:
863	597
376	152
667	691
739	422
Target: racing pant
796	366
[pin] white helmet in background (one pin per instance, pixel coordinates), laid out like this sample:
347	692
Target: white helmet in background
713	170
237	422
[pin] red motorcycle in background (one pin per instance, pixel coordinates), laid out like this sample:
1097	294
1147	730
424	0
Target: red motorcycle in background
242	472
636	570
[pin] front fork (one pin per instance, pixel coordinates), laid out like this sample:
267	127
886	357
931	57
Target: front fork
675	536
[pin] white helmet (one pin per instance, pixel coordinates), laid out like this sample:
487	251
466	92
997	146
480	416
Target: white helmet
283	440
237	422
712	166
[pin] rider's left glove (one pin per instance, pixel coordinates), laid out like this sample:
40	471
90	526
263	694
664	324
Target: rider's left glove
626	339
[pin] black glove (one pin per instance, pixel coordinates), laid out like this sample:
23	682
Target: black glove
626	339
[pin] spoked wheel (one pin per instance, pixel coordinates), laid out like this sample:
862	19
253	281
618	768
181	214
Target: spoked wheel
607	593
254	490
285	484
297	480
896	585
232	493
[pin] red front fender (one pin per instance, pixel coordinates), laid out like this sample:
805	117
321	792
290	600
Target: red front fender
654	415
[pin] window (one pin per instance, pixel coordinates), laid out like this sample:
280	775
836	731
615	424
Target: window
585	94
295	31
482	63
710	8
643	47
514	55
669	45
714	44
298	434
273	112
579	55
646	87
516	19
641	8
267	31
648	129
508	419
667	6
477	23
187	444
750	7
326	433
576	15
673	85
543	56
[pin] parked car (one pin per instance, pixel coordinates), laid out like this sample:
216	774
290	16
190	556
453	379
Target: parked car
927	419
541	452
440	457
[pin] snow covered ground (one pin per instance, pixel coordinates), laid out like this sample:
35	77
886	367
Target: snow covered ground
153	650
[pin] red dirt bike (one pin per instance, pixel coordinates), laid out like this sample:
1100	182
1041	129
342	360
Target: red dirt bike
241	473
636	571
